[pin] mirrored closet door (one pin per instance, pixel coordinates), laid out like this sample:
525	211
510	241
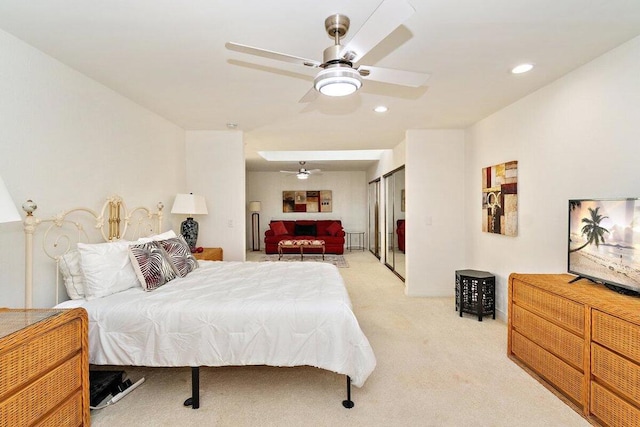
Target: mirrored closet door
394	221
374	217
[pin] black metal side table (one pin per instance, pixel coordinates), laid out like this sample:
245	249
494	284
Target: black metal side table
350	236
476	293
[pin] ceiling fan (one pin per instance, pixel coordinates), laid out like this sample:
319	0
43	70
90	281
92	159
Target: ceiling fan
303	173
338	75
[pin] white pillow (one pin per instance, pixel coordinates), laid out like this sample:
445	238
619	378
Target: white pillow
107	268
71	270
163	236
157	237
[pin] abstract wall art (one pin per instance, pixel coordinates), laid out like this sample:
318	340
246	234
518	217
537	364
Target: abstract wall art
500	199
307	201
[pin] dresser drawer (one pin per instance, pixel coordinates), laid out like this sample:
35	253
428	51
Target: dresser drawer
27	360
67	414
560	342
619	373
617	334
612	410
29	404
564	312
566	378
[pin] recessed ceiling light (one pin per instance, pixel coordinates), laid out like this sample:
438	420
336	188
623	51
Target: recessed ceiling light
380	109
522	68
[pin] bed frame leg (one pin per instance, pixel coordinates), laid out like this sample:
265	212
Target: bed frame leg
194	400
348	403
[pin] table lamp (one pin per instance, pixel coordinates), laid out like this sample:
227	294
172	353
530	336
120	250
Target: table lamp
189	204
8	210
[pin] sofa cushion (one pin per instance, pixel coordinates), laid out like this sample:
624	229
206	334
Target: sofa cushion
334	228
278	228
304	230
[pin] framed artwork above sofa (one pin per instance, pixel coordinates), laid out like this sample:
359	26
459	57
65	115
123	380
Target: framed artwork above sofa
307	201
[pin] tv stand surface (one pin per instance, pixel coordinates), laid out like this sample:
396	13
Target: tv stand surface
623	291
580	341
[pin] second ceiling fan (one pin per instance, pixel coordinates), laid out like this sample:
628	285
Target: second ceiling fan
339	76
303	173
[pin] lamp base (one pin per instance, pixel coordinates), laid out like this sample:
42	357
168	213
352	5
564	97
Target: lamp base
255	231
189	230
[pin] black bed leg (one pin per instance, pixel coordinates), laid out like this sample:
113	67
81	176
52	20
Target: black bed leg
348	403
194	400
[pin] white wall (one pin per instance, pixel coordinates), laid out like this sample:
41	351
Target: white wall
349	192
435	211
577	137
68	141
215	170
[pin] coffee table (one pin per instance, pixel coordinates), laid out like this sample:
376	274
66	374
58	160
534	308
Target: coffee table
289	244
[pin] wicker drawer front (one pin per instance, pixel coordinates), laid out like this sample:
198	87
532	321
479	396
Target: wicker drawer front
612	410
616	334
24	362
563	376
619	373
560	342
566	313
31	403
67	414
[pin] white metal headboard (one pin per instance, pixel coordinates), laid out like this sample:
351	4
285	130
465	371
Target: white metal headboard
113	222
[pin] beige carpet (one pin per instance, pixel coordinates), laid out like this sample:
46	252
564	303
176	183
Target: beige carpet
434	369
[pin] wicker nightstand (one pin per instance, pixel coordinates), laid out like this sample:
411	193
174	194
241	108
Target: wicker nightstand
209	254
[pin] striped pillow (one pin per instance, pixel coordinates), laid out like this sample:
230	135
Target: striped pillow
151	265
179	254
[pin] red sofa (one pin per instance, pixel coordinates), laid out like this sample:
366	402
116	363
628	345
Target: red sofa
400	231
333	235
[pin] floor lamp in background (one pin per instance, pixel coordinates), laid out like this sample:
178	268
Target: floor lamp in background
254	208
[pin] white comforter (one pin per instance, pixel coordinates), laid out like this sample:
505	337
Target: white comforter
234	313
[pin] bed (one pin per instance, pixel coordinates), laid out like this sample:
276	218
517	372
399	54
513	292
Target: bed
219	314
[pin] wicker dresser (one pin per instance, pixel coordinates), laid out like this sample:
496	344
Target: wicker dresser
581	340
44	368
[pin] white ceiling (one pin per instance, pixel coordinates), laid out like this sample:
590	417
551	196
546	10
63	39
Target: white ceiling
169	56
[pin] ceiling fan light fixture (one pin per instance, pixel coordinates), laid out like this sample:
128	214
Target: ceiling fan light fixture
302	175
337	81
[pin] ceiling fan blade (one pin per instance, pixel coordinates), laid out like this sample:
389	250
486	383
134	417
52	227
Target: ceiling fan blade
389	15
272	55
396	77
293	172
310	96
312	171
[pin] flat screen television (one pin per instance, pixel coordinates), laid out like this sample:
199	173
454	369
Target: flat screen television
604	242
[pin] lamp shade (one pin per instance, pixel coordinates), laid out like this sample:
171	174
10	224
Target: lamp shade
189	204
255	206
8	210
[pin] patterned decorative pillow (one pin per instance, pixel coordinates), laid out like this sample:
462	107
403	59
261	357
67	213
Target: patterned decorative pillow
151	265
179	255
278	228
334	228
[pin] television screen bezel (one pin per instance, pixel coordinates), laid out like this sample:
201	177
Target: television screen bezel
611	284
